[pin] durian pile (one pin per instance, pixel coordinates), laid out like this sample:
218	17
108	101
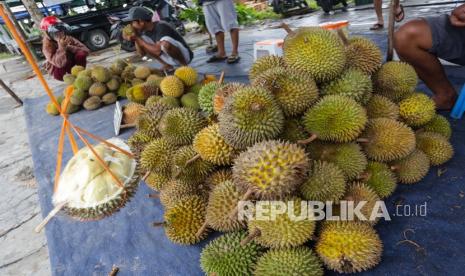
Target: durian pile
98	86
325	122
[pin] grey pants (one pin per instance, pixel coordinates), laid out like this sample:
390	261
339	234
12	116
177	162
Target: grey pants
220	16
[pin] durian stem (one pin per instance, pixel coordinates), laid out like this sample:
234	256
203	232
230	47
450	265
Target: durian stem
192	160
364	176
159	224
394	168
128	126
154	195
256	233
50	216
146	175
310	139
287	28
256	107
343	37
363	140
114	271
202	230
235	211
221	80
213	274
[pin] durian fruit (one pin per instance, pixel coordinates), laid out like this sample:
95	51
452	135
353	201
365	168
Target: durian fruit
293	131
142	72
190	100
180	125
131	112
183	220
263	64
380	178
226	256
271	169
205	97
183	168
387	140
51	109
283	230
149	118
92	103
358	192
123	88
78	97
289	261
412	168
439	124
128	73
364	55
157	181
316	51
109	98
352	83
249	116
138	141
154	80
118	66
85	72
157	156
395	80
438	149
141	92
152	100
218	177
294	91
349	157
195	88
326	182
136	81
382	107
128	30
211	146
169	101
172	86
100	74
349	247
417	110
83	83
97	89
174	191
113	84
70	109
335	118
76	69
187	75
69	79
222	93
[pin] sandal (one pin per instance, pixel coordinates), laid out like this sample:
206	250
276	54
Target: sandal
216	59
401	15
377	27
233	59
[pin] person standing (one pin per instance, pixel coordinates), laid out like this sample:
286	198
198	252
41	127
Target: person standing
221	17
379	14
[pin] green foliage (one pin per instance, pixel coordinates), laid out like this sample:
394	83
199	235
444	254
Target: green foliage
194	14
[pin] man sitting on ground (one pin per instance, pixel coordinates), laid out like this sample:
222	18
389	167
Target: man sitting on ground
421	42
157	39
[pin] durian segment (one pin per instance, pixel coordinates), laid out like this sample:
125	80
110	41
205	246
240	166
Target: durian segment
180	125
349	247
353	84
382	107
336	118
388	140
326	182
380	178
249	116
185	169
363	54
359	192
316	51
226	256
439	124
211	146
438	149
157	156
271	169
205	97
187	75
263	64
290	261
395	80
412	168
172	86
417	110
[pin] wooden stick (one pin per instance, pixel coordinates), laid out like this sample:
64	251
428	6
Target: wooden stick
256	232
159	224
9	91
363	140
343	37
153	195
146	175
392	11
113	271
192	160
308	140
127	126
221	80
61	141
287	28
50	216
202	230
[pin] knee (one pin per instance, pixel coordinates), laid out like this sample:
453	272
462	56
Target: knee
407	36
166	46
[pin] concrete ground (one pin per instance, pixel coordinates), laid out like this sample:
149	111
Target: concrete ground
23	252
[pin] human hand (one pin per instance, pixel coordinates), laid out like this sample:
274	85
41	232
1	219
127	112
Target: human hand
457	17
62	42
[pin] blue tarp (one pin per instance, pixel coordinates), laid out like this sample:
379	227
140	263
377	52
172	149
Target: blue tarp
128	240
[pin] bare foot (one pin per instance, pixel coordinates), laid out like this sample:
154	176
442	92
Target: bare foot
445	102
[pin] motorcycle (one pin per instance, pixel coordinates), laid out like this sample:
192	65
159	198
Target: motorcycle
327	5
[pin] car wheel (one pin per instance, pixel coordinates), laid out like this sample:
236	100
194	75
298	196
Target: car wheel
97	40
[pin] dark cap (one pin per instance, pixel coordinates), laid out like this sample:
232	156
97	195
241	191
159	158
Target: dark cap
138	13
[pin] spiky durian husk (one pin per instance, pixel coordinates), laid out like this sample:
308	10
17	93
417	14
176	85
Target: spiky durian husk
388	140
154	79
349	247
211	146
294	130
100	74
353	84
224	198
190	100
187	75
196	171
184	219
131	112
349	157
222	93
128	73
290	261
326	182
177	190
380	178
358	192
169	101
316	51
438	149
382	107
138	141
76	69
157	181
336	118
439	124
363	54
412	168
83	82
142	72
206	94
157	156
283	231
152	100
271	169
249	116
180	125
226	256
172	86
264	63
395	80
294	91
149	117
218	177
417	110
141	92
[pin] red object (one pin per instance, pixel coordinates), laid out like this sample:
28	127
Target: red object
48	21
79	58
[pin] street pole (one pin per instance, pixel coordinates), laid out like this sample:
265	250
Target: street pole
34	11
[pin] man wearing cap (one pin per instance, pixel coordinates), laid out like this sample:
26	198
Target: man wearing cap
157	39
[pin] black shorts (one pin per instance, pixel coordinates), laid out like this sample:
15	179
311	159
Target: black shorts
448	40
